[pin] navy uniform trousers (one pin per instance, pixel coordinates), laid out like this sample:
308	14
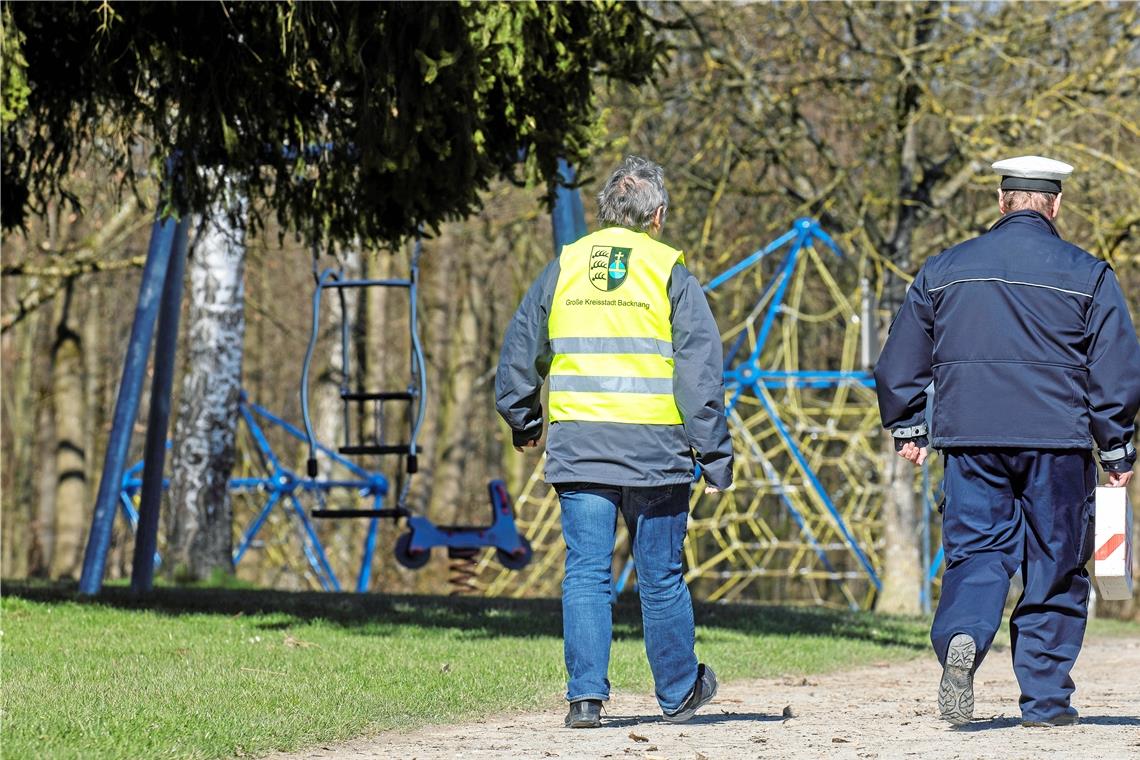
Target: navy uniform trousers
1010	509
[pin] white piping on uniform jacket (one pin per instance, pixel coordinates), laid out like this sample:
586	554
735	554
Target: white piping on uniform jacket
1010	282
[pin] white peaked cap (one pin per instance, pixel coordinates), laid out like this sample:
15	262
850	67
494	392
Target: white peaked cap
1034	173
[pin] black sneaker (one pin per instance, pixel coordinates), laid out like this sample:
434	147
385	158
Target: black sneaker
1065	719
956	691
585	713
703	692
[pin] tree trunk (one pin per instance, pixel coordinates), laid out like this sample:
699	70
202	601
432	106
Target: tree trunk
42	536
22	418
70	412
200	543
328	409
902	551
902	571
902	568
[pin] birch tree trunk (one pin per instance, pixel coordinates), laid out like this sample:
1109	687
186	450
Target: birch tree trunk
200	542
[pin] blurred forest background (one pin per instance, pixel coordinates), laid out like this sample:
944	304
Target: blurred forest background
880	120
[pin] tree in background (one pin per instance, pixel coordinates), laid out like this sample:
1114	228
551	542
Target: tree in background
345	122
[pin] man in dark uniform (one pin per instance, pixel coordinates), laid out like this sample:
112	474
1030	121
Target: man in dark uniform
1032	353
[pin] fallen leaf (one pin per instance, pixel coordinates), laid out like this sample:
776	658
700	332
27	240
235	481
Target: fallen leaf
638	737
759	739
839	740
788	712
446	668
651	748
291	641
702	756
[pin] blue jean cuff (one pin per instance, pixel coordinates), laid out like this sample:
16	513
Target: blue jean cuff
602	697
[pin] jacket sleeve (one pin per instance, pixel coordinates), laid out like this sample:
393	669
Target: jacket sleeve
525	360
904	369
698	377
1114	372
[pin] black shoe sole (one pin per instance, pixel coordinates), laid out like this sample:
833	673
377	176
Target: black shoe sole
956	691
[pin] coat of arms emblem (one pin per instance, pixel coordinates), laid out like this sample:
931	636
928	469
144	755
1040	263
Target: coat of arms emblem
608	267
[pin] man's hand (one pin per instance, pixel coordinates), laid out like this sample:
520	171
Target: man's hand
528	445
711	490
1118	479
913	454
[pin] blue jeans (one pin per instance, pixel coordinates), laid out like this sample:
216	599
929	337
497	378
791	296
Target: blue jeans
656	519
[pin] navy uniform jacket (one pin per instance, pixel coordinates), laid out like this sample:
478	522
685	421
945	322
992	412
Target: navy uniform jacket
1027	340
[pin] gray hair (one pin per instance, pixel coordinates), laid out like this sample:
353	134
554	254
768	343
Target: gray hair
632	194
1028	200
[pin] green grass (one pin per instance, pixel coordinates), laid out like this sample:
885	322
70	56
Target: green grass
220	672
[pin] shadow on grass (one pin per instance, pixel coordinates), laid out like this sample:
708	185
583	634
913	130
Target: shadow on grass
377	614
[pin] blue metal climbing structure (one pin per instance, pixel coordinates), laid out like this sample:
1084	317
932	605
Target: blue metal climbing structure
288	492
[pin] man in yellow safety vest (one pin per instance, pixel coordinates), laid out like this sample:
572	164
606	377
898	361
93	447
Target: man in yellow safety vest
623	332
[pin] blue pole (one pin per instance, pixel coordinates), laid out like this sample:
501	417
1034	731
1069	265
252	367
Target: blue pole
568	217
251	532
127	405
166	343
623	578
313	548
365	576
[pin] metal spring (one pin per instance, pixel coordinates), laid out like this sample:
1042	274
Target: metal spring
462	572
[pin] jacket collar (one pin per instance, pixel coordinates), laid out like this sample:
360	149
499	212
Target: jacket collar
1031	218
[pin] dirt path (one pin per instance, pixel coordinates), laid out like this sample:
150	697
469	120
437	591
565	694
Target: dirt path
882	711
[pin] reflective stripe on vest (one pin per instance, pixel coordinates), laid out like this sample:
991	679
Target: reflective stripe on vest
610	333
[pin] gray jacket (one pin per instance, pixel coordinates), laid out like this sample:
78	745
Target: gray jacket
613	453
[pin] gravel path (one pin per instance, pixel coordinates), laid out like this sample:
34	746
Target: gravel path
882	711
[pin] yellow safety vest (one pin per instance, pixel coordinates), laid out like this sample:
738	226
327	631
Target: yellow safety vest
610	332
